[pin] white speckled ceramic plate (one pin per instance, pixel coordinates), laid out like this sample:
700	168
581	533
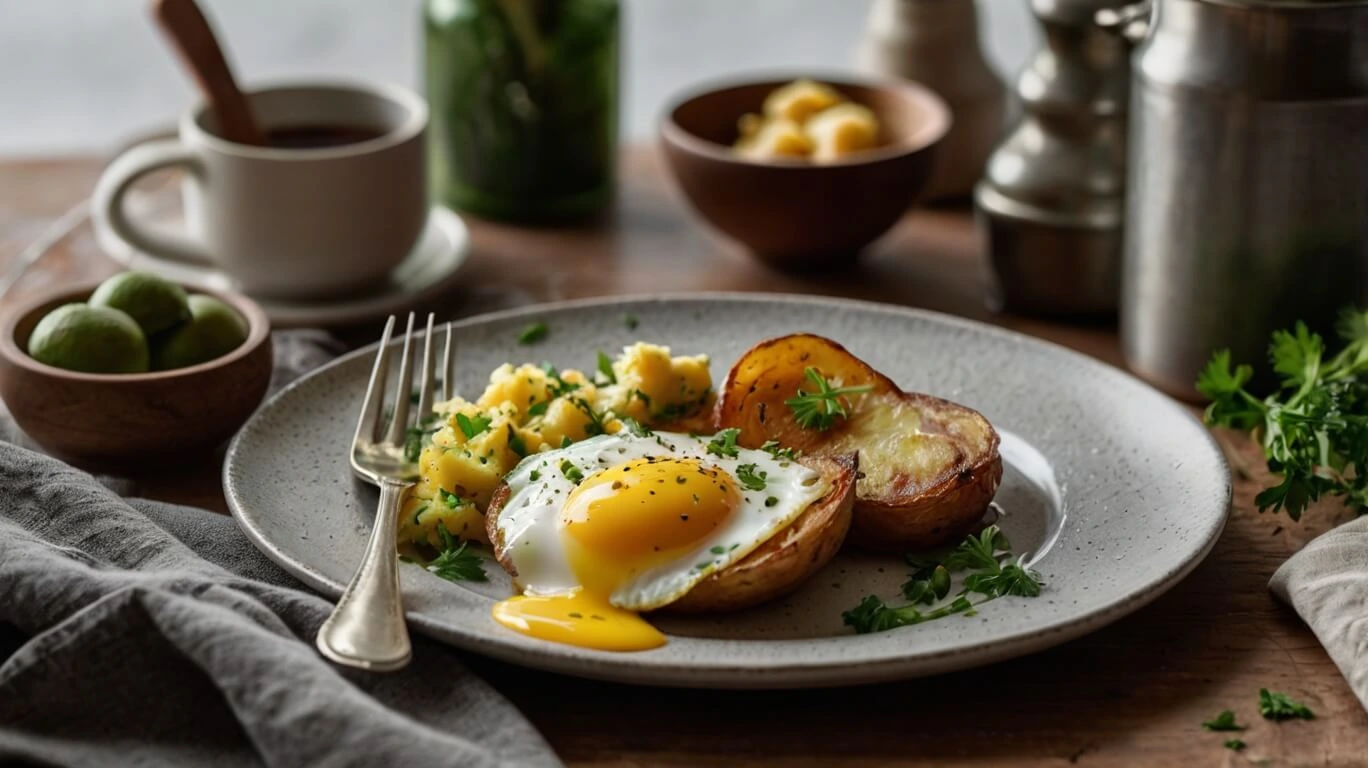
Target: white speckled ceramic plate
1115	491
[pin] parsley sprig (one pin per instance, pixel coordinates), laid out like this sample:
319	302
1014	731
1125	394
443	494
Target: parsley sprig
471	426
1225	721
1278	706
750	478
635	427
992	573
533	333
572	473
723	443
556	386
773	448
820	408
416	436
606	374
1314	427
456	561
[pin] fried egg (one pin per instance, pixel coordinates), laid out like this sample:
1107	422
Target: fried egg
619	524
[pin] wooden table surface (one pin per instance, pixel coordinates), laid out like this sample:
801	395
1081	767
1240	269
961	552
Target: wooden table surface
1133	694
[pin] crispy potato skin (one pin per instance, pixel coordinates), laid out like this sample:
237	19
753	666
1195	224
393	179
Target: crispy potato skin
776	568
931	466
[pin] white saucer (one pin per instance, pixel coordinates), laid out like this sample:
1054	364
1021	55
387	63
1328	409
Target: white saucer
427	271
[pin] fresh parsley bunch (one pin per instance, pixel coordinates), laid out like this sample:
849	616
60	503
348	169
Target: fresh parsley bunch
1314	427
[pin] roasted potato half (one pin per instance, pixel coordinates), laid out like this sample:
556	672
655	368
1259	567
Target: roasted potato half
776	568
929	467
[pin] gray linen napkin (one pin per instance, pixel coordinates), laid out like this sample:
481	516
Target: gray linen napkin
140	633
1327	583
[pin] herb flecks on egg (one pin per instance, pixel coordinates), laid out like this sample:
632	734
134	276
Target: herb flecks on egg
635	535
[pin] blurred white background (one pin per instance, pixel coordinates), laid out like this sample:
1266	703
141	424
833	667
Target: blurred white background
85	75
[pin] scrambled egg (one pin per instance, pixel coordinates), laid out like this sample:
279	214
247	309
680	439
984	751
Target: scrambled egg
528	409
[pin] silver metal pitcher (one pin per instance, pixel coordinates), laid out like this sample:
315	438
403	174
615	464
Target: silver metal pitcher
1247	193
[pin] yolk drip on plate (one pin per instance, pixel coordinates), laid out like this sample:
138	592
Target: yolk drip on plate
615	526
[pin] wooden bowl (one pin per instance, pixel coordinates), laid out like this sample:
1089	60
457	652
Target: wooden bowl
794	213
125	419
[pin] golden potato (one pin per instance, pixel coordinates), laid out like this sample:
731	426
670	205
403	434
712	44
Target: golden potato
806	119
800	100
774	569
842	130
929	467
778	138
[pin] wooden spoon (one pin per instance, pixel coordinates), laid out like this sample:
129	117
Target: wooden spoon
194	40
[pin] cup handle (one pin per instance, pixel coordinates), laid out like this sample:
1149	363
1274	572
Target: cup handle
114	184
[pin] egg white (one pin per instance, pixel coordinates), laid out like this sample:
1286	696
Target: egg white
528	523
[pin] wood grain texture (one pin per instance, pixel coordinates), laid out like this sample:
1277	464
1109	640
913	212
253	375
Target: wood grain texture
1133	694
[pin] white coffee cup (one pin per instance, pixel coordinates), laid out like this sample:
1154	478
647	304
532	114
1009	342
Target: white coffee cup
288	223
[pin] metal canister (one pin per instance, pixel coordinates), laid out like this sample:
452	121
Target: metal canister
1247	196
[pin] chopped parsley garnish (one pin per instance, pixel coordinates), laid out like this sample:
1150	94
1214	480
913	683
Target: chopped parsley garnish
605	369
413	436
750	479
718	550
595	425
1314	426
537	409
724	443
635	427
450	499
928	588
534	475
819	409
515	443
413	444
455	561
1009	579
1277	706
873	615
629	321
1234	744
977	551
470	427
987	555
571	472
771	501
772	448
1223	722
566	442
643	397
533	333
557	387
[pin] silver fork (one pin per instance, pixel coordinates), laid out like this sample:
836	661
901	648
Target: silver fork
366	629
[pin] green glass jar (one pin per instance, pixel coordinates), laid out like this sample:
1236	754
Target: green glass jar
524	97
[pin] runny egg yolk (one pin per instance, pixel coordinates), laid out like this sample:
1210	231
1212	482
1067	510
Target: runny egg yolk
617	525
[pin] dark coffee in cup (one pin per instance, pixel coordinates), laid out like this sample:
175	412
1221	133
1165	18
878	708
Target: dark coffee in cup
319	136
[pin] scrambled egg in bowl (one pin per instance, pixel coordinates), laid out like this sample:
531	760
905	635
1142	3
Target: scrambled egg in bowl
527	409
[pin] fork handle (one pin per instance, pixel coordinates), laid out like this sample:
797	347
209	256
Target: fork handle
367	630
